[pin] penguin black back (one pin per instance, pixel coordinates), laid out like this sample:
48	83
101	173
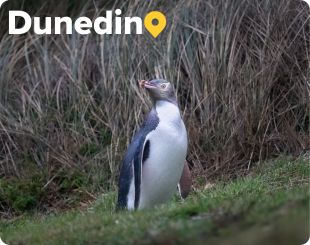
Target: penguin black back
133	158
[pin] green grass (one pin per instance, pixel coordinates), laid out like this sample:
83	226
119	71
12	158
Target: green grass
270	206
240	69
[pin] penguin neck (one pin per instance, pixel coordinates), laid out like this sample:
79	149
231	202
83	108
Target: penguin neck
167	111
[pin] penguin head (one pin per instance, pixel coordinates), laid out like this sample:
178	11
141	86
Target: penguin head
159	89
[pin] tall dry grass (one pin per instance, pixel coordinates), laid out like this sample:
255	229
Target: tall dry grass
240	67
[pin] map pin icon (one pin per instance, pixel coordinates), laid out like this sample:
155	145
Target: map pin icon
155	22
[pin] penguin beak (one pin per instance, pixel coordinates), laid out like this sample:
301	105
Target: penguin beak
146	84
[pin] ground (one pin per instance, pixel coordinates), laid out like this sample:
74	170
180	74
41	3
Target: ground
269	206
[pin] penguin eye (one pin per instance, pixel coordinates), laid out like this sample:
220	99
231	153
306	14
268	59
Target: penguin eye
163	86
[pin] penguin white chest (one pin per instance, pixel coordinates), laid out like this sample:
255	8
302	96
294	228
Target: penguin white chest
163	168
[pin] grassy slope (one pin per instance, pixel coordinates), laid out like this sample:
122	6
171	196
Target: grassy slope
269	207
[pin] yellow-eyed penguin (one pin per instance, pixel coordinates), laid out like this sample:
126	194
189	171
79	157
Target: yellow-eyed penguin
155	159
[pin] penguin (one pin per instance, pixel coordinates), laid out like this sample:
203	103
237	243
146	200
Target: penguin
156	158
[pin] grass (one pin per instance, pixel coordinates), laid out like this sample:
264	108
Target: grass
270	206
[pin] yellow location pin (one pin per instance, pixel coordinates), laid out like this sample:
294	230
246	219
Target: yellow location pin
160	22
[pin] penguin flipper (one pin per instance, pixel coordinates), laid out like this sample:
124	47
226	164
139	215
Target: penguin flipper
137	165
130	171
185	184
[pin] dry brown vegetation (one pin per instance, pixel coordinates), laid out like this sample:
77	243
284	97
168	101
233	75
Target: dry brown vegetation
70	104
